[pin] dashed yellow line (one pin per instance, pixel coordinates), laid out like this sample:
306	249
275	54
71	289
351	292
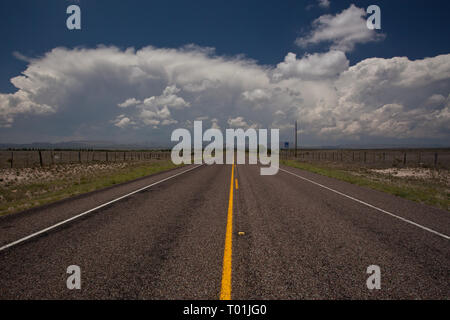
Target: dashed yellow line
225	290
237	186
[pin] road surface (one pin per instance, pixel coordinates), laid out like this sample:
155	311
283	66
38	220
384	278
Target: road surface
196	232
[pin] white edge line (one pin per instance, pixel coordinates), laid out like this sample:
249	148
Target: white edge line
9	245
371	206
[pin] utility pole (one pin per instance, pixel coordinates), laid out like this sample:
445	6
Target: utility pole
295	144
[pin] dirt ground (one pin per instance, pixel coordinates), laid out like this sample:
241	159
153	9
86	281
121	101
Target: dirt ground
11	177
443	176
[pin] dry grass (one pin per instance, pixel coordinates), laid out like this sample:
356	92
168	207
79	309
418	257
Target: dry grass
22	189
429	186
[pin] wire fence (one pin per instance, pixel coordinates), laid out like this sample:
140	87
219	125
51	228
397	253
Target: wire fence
438	158
26	159
432	158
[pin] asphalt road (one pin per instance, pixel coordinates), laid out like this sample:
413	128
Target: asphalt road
290	238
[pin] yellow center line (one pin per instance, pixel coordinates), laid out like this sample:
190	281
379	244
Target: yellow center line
225	290
237	186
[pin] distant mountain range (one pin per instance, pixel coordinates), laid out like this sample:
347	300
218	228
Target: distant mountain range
108	145
381	146
103	145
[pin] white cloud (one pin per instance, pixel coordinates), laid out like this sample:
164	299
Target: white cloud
343	30
312	66
129	102
94	92
121	121
237	122
256	95
324	3
154	110
21	102
391	98
155	117
167	99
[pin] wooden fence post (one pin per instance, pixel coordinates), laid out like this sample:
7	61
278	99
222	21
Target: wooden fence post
40	158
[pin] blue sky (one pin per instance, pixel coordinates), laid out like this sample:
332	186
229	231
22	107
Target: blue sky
260	33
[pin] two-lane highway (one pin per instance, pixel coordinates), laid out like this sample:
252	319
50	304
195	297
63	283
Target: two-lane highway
227	232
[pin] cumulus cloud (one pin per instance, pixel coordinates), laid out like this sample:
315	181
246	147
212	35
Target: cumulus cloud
129	102
256	95
343	30
312	66
391	98
121	121
167	99
110	93
155	110
21	102
237	122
